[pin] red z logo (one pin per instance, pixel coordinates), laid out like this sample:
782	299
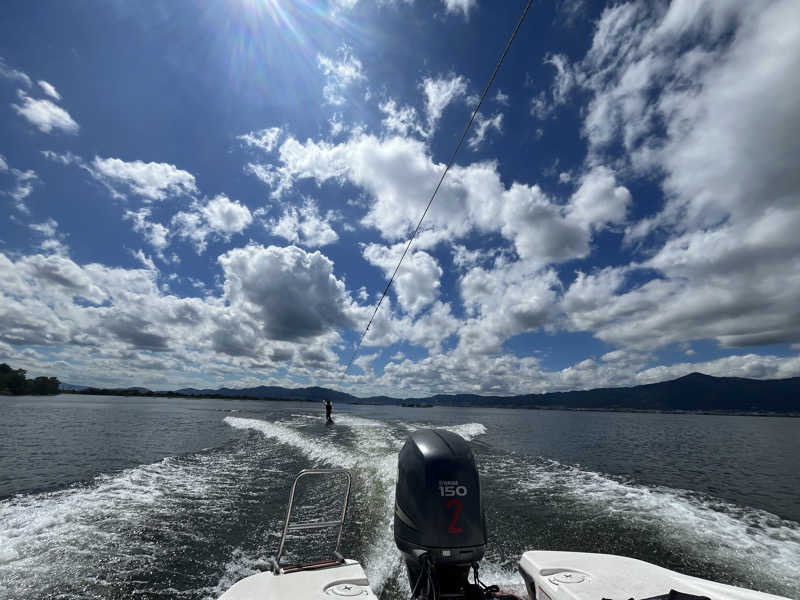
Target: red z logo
455	503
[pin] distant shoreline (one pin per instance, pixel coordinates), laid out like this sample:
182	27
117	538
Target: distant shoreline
406	404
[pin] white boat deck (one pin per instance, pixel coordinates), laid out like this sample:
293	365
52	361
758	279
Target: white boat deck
585	576
328	583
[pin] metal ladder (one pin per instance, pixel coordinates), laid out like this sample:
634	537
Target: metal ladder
289	527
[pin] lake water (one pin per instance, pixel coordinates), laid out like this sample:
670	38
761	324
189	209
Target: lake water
105	497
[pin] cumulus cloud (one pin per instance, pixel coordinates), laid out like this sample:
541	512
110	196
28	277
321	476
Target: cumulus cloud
401	120
753	366
416	283
116	325
53	241
439	93
599	200
282	308
304	225
481	127
291	293
146	261
226	216
13	74
151	181
24	182
265	139
219	216
509	299
339	74
460	6
722	265
45	115
156	234
546	102
49	89
65	158
397	172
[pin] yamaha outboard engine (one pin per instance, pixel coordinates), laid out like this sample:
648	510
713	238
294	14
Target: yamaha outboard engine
439	524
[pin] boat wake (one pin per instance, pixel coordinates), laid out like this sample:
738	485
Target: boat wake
190	526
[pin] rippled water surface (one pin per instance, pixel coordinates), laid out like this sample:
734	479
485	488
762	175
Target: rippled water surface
105	497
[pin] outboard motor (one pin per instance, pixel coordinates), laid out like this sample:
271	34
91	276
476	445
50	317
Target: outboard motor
439	524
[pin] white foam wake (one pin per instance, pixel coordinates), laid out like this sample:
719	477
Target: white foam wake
315	448
374	456
60	539
469	431
756	542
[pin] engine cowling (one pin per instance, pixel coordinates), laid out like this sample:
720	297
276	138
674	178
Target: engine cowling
438	509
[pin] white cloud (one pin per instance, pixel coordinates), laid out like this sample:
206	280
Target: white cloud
271	176
156	234
462	6
464	258
546	102
481	127
226	216
398	174
53	242
23	187
364	361
45	115
439	93
402	121
339	74
541	229
14	74
540	107
304	225
282	308
147	261
219	217
416	283
118	325
47	228
599	200
3	163
569	11
501	98
510	299
290	293
48	89
151	181
67	158
753	366
564	79
265	139
337	125
725	263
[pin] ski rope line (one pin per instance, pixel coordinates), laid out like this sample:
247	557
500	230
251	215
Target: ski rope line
436	189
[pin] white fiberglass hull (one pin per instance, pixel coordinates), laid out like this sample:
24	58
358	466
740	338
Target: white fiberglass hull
547	575
585	576
346	580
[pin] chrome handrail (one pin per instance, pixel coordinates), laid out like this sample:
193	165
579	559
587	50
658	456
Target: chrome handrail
287	527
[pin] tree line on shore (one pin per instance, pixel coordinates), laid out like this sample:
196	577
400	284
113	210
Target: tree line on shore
14	383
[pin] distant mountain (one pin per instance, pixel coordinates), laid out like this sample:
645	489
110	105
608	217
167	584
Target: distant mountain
68	387
693	392
281	393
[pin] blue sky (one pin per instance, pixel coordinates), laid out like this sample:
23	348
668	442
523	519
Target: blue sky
214	194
